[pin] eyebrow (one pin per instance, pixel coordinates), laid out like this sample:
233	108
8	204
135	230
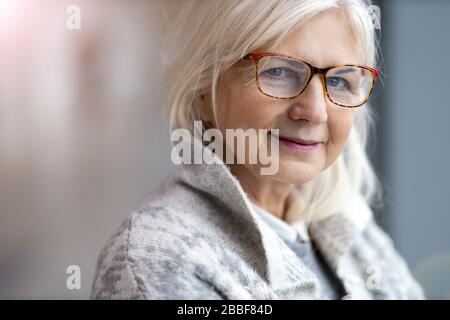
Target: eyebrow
300	65
294	63
297	64
346	70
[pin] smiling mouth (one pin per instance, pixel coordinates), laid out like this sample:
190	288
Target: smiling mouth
296	140
299	142
299	147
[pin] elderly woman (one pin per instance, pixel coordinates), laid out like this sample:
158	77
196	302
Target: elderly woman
299	72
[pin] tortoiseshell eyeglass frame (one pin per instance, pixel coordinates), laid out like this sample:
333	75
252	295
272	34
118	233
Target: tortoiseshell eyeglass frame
256	56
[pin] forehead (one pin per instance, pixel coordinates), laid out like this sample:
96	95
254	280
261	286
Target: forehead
325	40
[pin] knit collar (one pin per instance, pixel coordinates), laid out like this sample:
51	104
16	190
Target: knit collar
287	275
290	232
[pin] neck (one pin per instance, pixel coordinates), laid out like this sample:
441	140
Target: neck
268	193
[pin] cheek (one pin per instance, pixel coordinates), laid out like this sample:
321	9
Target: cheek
244	107
340	123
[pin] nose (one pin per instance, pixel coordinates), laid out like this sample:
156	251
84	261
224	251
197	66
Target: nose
311	105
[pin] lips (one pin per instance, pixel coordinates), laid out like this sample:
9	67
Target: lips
298	140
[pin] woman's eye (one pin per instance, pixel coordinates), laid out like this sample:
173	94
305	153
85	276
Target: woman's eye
338	83
276	72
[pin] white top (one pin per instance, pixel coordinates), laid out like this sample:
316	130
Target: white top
293	232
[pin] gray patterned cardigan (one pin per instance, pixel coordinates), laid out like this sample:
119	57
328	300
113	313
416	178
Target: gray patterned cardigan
198	237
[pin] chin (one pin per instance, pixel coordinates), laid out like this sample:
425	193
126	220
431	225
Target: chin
296	172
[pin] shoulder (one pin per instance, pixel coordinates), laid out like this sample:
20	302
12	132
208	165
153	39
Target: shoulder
152	255
386	271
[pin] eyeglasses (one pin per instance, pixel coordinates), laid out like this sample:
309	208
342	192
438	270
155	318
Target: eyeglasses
283	77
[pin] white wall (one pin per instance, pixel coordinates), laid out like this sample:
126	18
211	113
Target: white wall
81	135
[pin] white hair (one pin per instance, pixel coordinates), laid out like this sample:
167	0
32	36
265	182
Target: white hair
210	36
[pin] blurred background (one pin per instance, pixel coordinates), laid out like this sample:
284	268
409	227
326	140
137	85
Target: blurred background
82	140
